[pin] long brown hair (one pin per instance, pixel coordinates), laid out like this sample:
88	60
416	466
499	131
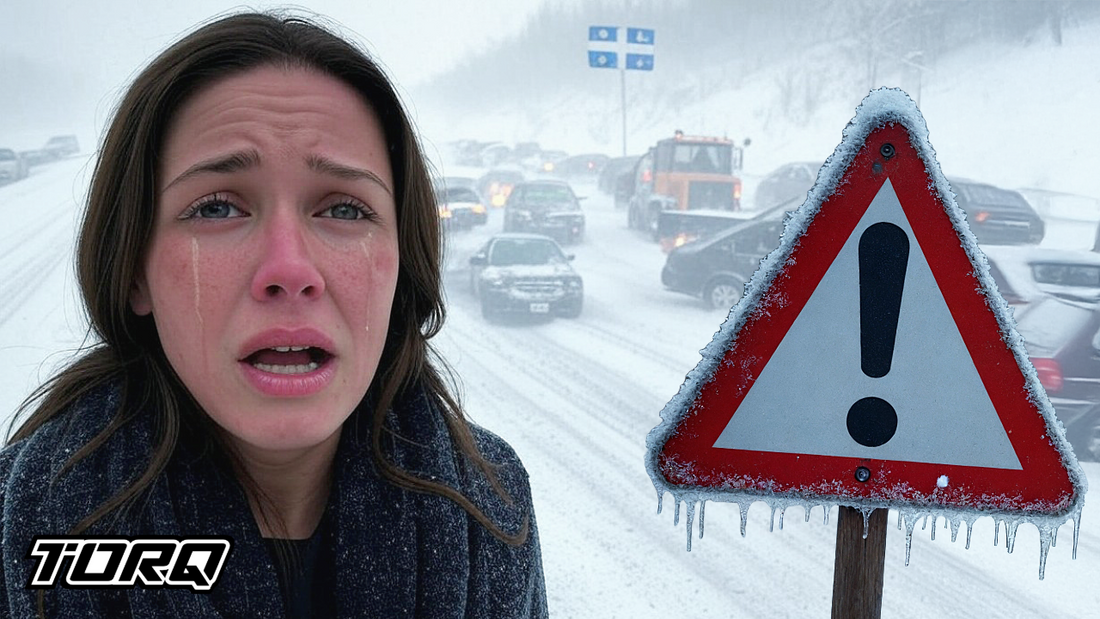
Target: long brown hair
119	221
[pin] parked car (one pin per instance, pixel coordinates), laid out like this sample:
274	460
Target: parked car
615	168
1054	296
1026	273
716	268
787	182
997	216
1063	341
461	207
495	185
61	146
12	166
35	157
548	207
526	274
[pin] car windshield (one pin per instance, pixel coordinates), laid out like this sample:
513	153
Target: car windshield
558	196
512	252
702	158
985	194
1062	274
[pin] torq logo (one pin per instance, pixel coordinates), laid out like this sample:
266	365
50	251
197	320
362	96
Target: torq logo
100	562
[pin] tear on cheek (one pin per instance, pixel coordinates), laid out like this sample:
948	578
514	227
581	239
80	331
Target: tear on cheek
195	278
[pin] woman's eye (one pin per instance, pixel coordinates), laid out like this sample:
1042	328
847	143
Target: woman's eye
215	208
346	211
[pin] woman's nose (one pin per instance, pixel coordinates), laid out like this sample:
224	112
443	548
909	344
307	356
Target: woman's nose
286	269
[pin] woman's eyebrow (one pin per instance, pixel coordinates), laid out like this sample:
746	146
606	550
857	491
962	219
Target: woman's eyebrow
221	164
325	165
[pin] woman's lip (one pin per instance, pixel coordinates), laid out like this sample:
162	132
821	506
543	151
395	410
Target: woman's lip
290	385
283	336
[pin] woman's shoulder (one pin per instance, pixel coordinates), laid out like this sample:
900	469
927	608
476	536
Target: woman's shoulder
39	472
498	452
64	434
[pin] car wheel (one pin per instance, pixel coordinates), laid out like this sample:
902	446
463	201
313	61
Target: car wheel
488	312
722	293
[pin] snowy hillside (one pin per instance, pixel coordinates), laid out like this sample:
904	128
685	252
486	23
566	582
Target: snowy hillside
1013	115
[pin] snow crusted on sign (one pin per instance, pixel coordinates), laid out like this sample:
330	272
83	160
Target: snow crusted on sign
882	107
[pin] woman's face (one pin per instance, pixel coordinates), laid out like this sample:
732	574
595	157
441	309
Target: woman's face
273	262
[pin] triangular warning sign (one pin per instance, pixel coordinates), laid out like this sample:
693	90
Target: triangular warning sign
871	362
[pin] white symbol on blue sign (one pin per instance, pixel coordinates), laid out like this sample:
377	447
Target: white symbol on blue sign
639	62
603	60
605	34
640	36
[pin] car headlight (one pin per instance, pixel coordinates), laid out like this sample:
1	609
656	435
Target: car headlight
496	281
574	284
479	209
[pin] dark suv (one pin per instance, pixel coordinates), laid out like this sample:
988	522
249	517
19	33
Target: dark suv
716	267
545	207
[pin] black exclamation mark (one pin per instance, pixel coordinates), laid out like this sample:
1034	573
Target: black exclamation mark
883	256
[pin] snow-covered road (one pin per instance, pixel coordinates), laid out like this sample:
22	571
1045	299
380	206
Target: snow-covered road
576	399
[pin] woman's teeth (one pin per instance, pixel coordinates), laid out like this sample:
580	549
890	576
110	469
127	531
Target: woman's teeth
287	369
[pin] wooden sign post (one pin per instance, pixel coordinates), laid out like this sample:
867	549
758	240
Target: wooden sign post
857	572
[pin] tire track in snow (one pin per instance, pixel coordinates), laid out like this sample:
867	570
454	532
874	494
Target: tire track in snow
21	282
574	439
553	445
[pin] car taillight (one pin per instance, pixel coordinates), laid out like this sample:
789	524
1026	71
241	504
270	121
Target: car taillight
737	189
1050	374
981	216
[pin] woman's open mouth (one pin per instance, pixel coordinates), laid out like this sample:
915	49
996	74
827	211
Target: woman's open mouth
289	363
288	359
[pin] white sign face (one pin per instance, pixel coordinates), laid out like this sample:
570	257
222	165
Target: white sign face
800	402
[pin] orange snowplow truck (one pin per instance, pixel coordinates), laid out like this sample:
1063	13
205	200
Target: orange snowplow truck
685	173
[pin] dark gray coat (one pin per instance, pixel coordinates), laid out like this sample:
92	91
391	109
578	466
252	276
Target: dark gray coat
398	553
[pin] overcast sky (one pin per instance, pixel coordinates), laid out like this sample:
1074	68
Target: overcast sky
85	52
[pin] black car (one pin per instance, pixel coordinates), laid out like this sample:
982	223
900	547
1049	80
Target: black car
716	267
545	207
1054	296
997	216
1063	341
525	274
